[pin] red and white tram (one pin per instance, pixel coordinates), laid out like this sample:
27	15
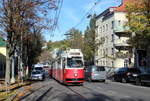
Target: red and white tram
68	67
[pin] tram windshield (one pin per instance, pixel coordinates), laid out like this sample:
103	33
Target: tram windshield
74	62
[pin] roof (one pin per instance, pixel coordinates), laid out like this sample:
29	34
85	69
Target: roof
2	42
38	65
120	8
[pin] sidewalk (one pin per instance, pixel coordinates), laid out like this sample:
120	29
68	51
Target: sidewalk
14	89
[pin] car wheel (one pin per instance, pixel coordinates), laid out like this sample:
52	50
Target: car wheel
103	80
123	80
138	81
81	84
89	79
113	79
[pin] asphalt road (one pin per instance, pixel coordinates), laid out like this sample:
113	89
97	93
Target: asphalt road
51	90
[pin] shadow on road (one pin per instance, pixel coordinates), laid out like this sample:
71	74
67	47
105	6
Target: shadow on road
31	92
97	97
43	95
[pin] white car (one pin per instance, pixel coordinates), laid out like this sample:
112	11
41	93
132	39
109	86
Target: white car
41	69
37	75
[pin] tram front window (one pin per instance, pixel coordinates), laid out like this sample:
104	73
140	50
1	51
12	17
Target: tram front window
74	63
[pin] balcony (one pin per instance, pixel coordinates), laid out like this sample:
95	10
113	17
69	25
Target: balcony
123	55
121	29
122	44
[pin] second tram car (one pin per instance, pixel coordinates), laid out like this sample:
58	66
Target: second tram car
68	67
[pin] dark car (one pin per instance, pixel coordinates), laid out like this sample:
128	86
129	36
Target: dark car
132	73
120	75
140	75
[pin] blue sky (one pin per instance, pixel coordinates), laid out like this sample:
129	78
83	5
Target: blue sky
73	11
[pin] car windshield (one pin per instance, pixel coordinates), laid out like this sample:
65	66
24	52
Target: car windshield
148	70
38	68
98	68
121	70
74	62
134	70
145	70
36	72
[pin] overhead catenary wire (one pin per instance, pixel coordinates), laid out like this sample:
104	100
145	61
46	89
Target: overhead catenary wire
87	14
56	17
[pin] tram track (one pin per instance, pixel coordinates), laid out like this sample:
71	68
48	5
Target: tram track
90	93
77	93
77	90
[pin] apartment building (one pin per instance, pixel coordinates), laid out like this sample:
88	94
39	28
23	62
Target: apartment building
112	38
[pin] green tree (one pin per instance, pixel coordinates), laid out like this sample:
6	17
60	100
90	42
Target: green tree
138	14
62	45
17	18
89	41
75	39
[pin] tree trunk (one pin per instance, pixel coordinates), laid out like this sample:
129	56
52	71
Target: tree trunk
12	70
7	74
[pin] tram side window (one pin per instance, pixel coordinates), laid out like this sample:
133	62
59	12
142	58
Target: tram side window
73	62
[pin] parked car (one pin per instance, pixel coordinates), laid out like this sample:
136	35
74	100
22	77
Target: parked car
39	69
140	75
131	74
120	75
37	75
95	73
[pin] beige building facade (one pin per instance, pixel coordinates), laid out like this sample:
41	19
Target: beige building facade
112	38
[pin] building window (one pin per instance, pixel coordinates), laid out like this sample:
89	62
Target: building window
106	39
119	23
112	38
112	51
112	25
106	51
103	28
103	63
106	26
112	63
99	52
103	52
106	63
99	29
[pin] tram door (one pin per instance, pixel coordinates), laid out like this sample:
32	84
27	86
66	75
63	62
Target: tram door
61	70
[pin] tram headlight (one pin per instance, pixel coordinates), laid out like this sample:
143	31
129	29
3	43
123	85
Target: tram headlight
75	74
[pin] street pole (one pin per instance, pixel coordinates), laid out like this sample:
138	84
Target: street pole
12	73
134	55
